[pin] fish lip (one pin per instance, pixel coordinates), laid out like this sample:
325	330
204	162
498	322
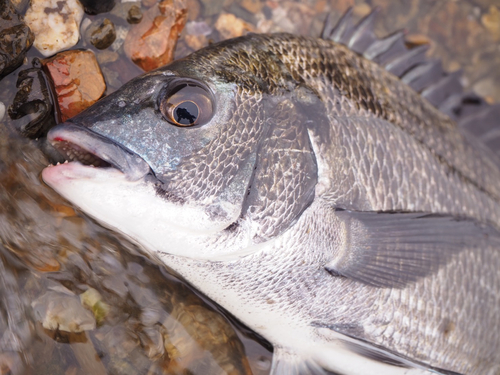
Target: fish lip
69	138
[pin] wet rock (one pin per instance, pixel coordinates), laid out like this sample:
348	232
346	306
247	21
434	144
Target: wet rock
194	9
57	310
86	355
78	81
20	5
198	28
121	9
15	38
253	6
212	7
197	33
55	24
92	299
196	42
491	21
134	15
97	6
229	26
121	35
151	43
107	56
101	33
148	3
361	10
32	109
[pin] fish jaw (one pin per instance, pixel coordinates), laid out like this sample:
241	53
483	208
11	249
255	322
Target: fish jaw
122	193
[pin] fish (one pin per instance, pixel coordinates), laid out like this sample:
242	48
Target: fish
338	195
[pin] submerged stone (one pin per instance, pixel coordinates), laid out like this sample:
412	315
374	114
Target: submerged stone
78	81
134	14
62	311
151	43
15	38
230	26
101	33
55	24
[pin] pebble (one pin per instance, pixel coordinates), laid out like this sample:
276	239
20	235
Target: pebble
196	42
55	24
491	21
92	299
101	33
121	35
134	14
253	6
97	6
198	28
361	10
229	26
62	311
78	81
15	38
32	109
151	43
20	5
194	9
121	10
107	56
212	7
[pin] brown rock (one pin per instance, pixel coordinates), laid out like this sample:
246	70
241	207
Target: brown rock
78	81
194	8
229	26
491	21
196	41
361	10
151	43
253	6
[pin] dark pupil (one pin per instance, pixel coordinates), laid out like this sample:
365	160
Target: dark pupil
186	113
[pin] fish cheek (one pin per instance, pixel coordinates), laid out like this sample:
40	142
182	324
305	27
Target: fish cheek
216	175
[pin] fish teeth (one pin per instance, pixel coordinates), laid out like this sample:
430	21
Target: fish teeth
58	163
66	162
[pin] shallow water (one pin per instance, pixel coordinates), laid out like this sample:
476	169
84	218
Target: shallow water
147	320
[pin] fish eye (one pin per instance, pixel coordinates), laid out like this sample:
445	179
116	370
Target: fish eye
186	103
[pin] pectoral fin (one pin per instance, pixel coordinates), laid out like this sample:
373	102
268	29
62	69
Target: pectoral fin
289	363
377	353
390	250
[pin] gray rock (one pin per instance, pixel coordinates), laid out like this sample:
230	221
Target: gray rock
15	38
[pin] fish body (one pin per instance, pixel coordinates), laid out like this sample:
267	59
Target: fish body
313	194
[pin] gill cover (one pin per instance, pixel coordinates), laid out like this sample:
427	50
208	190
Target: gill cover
219	136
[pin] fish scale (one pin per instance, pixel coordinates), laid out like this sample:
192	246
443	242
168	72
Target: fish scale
324	202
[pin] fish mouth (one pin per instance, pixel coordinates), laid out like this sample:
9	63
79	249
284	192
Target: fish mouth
84	146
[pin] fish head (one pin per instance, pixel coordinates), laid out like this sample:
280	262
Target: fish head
174	153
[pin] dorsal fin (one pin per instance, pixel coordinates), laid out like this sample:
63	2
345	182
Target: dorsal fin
426	76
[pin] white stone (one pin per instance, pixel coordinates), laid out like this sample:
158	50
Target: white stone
55	24
2	111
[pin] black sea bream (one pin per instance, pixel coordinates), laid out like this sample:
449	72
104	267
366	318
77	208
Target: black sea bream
338	195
